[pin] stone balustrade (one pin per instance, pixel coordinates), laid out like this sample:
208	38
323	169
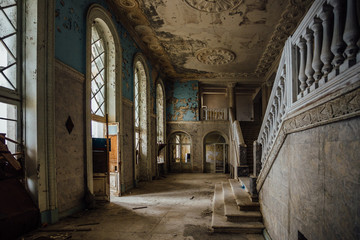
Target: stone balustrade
325	44
215	114
315	62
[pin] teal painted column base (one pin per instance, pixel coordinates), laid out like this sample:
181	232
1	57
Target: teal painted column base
49	216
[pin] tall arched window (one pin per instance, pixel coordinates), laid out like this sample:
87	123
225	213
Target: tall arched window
160	119
141	118
104	105
98	81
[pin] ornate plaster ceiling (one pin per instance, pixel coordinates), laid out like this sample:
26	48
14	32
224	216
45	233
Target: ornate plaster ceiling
212	39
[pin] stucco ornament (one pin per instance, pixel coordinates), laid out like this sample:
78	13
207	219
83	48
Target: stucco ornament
215	56
127	4
213	6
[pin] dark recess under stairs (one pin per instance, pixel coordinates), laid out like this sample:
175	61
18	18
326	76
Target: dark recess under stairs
250	131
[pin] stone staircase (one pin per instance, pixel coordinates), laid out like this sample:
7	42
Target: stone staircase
234	211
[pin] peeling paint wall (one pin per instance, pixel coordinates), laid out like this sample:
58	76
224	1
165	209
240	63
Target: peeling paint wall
182	101
70	37
70	49
197	131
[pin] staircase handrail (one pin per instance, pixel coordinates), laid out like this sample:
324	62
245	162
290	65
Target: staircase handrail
317	60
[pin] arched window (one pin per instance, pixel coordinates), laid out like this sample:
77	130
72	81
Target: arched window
160	119
141	118
104	102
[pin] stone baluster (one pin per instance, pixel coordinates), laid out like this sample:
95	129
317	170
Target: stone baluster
281	100
351	32
316	63
309	71
302	76
279	96
338	45
326	54
282	89
275	106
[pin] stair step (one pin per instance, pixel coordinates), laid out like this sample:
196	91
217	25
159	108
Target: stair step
231	210
219	222
242	197
245	181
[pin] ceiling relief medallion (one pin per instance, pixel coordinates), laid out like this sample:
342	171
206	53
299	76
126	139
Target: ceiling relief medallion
213	6
215	56
127	4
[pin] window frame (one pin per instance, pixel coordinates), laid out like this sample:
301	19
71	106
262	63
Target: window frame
15	96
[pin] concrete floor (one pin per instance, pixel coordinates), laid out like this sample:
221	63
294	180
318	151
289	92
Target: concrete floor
178	207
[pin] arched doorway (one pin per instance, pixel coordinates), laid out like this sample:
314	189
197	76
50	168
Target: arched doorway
216	153
179	152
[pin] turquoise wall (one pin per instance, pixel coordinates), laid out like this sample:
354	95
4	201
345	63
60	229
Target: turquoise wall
182	101
70	41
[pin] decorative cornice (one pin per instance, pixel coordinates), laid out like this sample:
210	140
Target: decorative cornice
342	107
136	22
289	20
215	56
213	6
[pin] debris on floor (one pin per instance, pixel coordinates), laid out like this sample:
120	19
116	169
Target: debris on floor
87	224
135	208
192	198
206	212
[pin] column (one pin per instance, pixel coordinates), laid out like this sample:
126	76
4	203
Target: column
231	97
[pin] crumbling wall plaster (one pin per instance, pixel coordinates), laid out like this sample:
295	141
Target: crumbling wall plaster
197	131
182	101
70	37
69	147
313	186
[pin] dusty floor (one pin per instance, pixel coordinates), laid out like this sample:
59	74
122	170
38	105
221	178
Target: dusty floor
177	207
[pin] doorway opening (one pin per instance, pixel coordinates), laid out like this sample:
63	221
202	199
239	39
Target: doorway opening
216	153
179	151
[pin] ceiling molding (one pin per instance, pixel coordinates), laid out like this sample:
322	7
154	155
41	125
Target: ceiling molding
213	6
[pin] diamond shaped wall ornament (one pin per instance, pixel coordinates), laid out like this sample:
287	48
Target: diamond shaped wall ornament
69	125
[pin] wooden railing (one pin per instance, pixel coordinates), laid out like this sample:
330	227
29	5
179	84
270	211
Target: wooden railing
317	60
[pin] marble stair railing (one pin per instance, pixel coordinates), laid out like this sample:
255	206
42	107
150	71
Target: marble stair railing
238	146
326	44
315	62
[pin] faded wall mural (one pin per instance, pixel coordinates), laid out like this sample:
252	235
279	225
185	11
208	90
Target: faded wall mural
182	101
70	37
